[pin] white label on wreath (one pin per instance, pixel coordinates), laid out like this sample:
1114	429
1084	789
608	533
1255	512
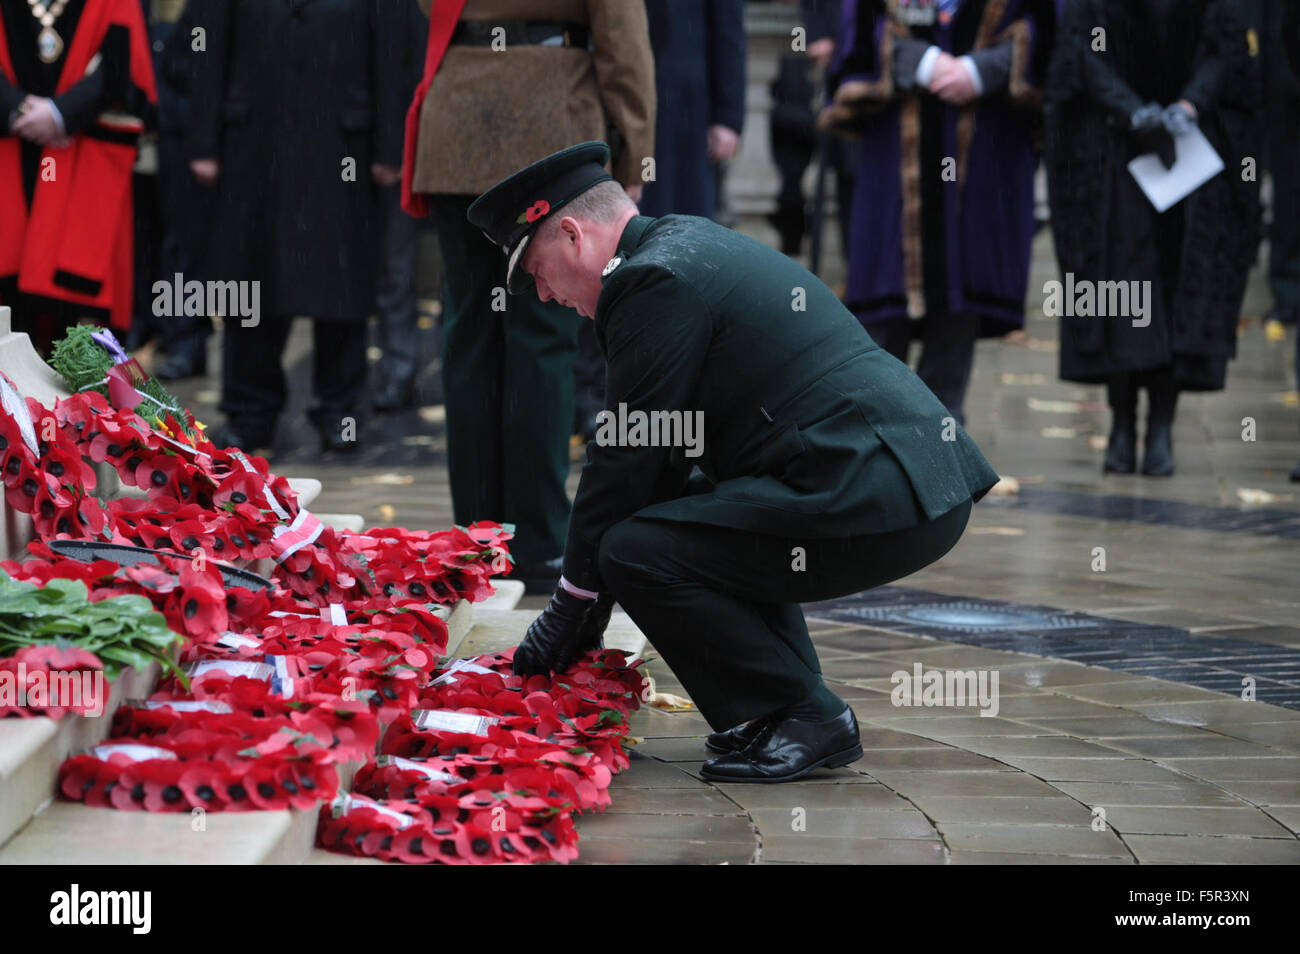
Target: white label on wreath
444	720
345	802
238	641
423	768
231	667
182	705
133	751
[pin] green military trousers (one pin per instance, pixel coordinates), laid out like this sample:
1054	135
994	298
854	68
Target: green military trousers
507	370
721	605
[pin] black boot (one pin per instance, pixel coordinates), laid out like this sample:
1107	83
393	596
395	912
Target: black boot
1158	456
1121	449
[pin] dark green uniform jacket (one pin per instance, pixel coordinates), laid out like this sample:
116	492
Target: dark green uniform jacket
801	409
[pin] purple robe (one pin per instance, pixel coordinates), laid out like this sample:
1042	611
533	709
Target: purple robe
924	243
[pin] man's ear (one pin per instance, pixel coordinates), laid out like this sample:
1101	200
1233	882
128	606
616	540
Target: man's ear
572	230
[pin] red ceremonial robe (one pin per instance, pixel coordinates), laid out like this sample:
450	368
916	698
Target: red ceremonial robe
75	243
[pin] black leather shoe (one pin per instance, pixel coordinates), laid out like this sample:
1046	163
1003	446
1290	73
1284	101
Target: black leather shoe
539	578
1121	448
735	738
1158	461
232	434
180	366
395	394
1121	452
788	749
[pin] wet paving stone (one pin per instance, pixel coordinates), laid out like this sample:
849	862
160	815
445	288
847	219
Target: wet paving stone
637	851
673	801
735	829
1193	820
801	820
1203	849
863	796
852	851
1080	840
1151	794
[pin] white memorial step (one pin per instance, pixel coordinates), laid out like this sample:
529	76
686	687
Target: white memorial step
72	834
505	596
31	750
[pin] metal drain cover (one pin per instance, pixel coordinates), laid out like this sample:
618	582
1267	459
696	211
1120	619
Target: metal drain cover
972	617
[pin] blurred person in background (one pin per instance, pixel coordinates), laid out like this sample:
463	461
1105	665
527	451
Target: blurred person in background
699	56
75	81
945	98
1281	91
395	300
507	82
285	123
1291	44
1103	109
173	216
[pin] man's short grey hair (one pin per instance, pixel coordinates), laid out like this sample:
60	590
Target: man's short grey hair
603	202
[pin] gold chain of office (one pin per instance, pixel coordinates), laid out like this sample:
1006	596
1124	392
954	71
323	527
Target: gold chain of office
49	45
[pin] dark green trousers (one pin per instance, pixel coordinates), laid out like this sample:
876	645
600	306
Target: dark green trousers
508	378
722	606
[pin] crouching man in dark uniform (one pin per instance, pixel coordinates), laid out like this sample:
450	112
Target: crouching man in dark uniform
827	466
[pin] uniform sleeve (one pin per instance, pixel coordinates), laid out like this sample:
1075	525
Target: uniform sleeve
727	63
625	75
657	333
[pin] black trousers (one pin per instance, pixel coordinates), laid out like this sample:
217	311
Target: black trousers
722	605
253	389
508	380
395	295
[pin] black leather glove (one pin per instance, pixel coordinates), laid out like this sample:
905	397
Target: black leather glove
554	636
591	636
1177	120
1148	133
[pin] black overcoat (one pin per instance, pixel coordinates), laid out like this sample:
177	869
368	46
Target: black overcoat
285	97
1103	225
699	48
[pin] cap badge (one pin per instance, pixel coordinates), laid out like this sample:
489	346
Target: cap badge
534	212
612	264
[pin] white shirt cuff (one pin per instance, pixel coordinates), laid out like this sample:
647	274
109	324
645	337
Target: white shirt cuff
63	127
577	590
974	72
925	69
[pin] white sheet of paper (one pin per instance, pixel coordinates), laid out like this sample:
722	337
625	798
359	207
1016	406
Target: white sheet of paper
1195	164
